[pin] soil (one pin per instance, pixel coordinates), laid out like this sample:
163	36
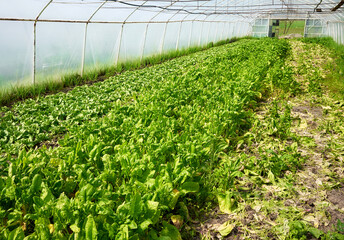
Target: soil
316	196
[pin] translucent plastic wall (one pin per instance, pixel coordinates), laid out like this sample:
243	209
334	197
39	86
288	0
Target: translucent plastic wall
315	28
43	40
336	31
260	28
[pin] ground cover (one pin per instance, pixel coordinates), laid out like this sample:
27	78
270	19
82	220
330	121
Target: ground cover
305	130
54	84
28	124
218	144
139	154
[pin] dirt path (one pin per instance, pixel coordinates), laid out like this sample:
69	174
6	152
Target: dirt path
306	203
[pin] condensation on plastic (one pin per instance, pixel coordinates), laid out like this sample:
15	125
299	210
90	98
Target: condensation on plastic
132	41
16	52
74	11
153	38
59	49
101	51
21	9
171	38
336	31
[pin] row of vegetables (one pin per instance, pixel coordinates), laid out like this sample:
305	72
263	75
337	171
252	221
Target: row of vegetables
133	151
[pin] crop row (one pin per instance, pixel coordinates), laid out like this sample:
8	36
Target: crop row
135	147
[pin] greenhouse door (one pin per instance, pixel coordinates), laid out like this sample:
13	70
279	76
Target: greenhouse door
315	28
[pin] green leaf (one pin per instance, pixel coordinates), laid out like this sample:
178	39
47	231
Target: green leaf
188	187
132	225
36	183
135	237
16	234
340	226
226	228
145	224
75	228
226	202
91	228
170	231
184	211
11	170
47	196
177	220
271	177
174	200
135	206
38	201
315	232
152	205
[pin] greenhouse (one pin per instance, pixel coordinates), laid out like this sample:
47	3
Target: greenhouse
159	119
41	39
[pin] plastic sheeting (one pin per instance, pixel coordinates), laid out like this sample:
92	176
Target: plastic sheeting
336	31
315	28
45	39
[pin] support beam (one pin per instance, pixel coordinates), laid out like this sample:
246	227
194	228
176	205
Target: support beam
83	54
35	43
121	32
339	5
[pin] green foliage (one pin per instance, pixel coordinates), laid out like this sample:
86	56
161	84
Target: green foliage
302	230
51	85
136	148
280	120
333	81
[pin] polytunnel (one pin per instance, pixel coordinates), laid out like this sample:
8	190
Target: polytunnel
171	119
42	39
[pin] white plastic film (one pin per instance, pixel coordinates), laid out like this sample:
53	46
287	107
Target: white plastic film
70	11
21	9
101	44
153	38
131	42
16	53
184	35
59	49
171	37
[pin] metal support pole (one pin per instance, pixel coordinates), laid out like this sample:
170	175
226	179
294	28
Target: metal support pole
208	33
233	31
215	36
190	35
35	43
178	38
146	30
119	44
223	29
200	35
34	55
121	32
144	42
83	51
85	39
163	39
305	29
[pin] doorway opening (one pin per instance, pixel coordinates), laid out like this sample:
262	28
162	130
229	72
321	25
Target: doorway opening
291	28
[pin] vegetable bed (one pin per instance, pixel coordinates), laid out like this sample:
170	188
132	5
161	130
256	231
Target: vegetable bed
135	150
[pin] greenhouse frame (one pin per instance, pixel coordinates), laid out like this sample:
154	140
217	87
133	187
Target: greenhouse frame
41	39
171	120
